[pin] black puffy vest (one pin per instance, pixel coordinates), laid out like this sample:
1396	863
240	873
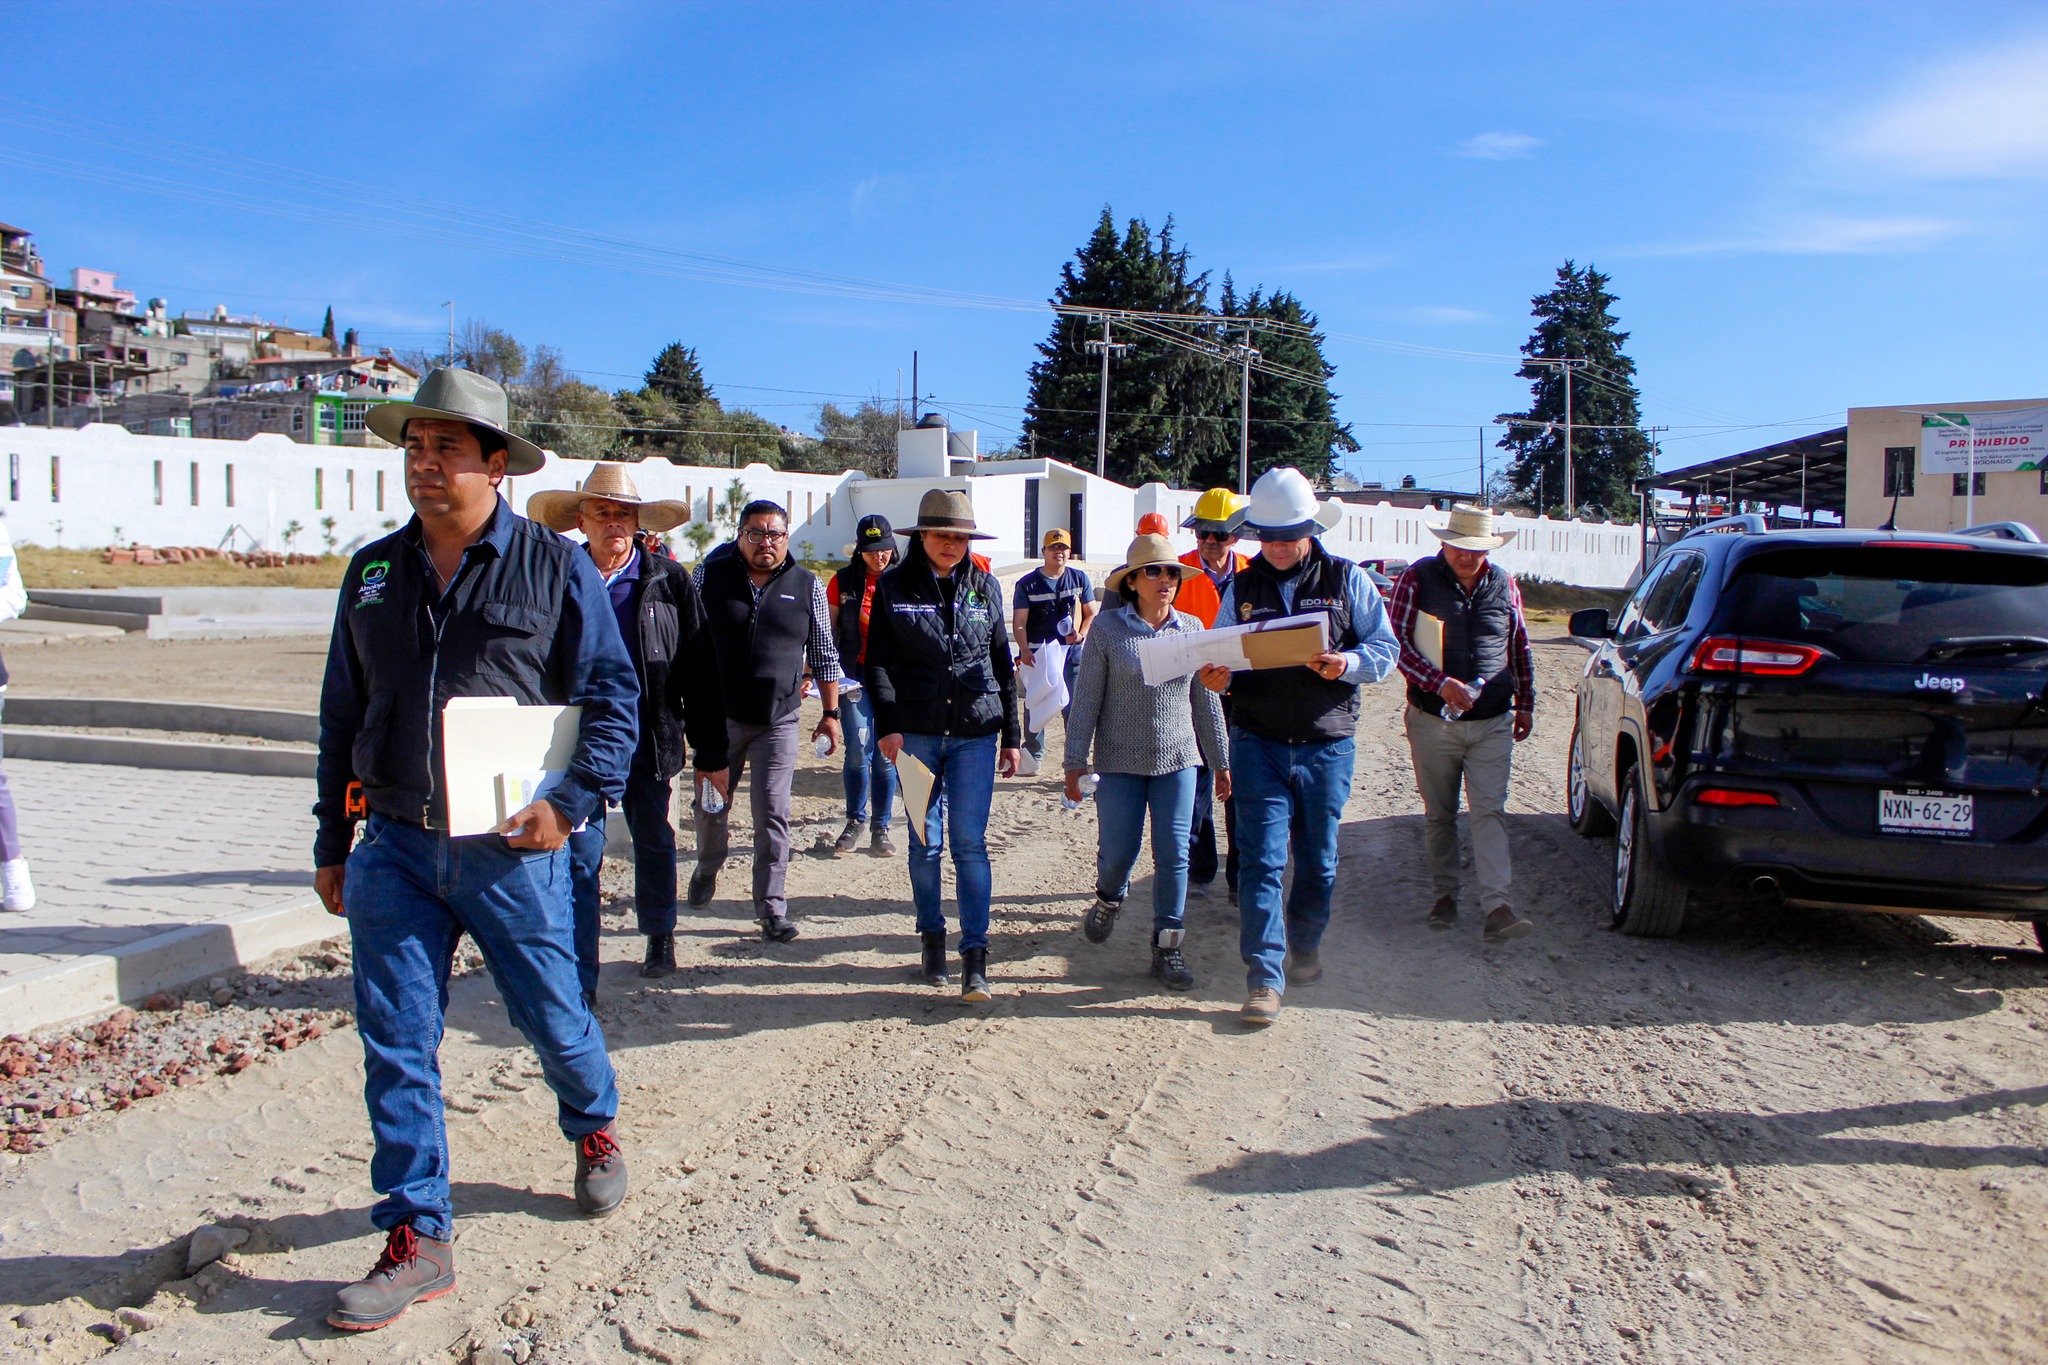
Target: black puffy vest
760	645
847	636
931	668
1476	630
1295	705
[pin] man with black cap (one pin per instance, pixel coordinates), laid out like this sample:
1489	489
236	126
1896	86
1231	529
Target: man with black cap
662	621
467	599
851	595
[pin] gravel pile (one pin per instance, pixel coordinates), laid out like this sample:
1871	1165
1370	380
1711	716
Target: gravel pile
53	1081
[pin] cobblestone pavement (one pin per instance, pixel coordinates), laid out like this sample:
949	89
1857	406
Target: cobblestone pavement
120	854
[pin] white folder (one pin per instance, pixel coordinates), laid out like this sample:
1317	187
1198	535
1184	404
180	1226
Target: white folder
495	751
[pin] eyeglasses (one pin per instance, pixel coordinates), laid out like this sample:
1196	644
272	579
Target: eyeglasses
1225	536
1160	571
754	535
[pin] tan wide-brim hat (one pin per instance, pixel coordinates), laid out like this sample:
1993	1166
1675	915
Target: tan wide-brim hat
948	509
1471	528
1148	550
455	395
559	508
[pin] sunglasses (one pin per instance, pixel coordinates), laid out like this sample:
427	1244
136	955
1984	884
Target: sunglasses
1159	571
1225	536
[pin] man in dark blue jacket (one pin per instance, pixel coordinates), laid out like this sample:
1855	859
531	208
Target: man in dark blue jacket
465	600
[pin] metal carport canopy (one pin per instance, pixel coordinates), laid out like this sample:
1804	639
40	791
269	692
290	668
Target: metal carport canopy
1810	471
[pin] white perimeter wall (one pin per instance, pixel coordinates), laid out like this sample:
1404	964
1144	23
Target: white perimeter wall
107	478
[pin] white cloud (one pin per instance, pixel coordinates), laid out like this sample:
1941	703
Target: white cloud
1984	116
1823	236
1499	146
1439	314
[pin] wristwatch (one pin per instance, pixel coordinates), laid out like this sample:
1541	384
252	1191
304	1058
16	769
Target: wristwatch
831	713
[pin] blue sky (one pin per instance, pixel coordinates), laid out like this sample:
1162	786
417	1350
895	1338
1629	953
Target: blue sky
1803	207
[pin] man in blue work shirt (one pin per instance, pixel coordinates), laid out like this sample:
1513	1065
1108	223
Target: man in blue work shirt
467	599
1291	745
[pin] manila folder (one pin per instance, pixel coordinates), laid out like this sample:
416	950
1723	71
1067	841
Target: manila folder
1288	646
485	739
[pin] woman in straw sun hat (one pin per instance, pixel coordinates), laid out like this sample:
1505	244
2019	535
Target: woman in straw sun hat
1147	742
851	594
661	619
944	691
1471	699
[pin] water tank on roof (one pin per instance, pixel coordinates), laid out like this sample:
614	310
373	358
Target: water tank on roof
921	451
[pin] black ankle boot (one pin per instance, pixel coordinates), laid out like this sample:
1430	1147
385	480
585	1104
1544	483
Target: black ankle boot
1167	962
661	956
935	959
974	975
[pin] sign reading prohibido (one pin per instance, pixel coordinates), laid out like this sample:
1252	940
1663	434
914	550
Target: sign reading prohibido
2016	438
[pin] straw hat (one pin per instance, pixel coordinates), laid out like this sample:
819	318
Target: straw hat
458	395
1471	528
1284	507
948	509
558	508
1148	549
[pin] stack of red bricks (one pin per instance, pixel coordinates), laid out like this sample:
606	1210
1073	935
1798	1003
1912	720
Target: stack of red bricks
186	554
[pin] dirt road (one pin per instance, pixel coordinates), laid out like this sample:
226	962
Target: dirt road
1783	1138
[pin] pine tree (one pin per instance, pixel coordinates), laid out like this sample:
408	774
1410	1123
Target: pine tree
676	376
1294	421
1575	321
1160	393
327	327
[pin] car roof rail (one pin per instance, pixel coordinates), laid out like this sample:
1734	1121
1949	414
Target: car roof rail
2003	530
1740	523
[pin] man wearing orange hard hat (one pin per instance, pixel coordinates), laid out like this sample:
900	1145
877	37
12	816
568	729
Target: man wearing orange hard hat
1217	516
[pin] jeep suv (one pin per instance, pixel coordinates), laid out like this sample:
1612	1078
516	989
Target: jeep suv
1850	718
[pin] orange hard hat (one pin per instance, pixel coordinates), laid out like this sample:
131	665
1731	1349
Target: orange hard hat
1153	524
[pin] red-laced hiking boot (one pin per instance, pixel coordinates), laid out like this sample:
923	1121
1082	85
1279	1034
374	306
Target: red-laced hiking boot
600	1173
412	1270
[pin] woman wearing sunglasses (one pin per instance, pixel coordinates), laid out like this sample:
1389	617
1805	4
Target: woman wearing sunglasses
1147	742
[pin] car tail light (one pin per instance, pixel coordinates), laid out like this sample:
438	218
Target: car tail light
1760	658
1733	796
1923	545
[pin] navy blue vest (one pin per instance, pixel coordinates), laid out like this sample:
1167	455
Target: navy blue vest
1295	705
761	644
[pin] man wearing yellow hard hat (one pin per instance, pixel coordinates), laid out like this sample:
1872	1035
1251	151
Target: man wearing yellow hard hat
1217	516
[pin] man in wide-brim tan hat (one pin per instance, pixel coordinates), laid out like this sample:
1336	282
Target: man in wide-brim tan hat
454	395
661	618
1471	698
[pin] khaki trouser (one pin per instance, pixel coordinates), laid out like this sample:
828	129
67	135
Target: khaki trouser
1477	753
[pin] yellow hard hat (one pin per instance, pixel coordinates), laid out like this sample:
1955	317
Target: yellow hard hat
1220	509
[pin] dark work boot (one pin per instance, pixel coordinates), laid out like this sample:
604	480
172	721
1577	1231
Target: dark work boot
703	885
1168	964
1101	918
600	1172
776	929
1444	913
661	956
412	1270
973	976
935	959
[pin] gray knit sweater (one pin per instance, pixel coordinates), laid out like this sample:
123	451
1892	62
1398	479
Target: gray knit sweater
1150	731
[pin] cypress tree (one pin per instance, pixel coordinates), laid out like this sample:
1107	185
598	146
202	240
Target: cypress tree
1293	421
327	327
1575	321
676	376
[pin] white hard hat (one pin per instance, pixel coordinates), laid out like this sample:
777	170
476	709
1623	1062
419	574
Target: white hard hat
1284	507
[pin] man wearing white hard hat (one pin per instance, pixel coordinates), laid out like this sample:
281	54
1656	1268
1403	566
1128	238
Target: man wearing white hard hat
1471	698
1291	747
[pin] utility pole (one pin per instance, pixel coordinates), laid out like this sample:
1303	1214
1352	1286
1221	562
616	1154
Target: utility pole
1482	464
1107	348
1566	366
449	304
1246	354
914	414
50	383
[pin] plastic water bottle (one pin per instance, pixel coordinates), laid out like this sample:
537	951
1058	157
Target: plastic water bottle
1088	783
708	799
822	746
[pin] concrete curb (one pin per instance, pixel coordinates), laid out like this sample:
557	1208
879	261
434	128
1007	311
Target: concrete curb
298	727
160	753
47	997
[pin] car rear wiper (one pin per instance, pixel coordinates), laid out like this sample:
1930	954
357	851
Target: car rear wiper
1957	646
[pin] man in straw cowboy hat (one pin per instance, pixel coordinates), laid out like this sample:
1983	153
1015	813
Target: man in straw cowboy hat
1218	514
770	624
661	619
466	599
1291	747
1471	698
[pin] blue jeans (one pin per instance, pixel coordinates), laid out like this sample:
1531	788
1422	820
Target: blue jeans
411	895
963	785
1120	805
1286	794
646	810
864	767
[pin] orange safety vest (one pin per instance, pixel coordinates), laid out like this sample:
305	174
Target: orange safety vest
1198	596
